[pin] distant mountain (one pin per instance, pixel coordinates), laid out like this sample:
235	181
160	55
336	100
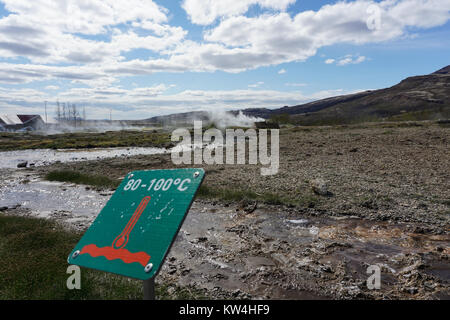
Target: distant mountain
415	98
320	104
445	70
180	118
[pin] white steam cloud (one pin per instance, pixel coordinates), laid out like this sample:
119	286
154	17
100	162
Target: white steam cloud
223	119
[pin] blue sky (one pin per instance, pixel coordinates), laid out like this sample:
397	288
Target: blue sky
142	58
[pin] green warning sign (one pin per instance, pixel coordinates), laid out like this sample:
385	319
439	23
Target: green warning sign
135	230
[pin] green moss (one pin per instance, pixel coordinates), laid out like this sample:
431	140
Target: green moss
81	178
20	141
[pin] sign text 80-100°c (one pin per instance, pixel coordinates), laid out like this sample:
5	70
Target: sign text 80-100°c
156	185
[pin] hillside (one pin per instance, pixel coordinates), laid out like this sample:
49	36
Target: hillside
415	98
424	97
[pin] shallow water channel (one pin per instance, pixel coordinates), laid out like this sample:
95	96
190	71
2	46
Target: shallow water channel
39	157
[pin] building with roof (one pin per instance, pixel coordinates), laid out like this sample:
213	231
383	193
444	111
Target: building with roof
21	122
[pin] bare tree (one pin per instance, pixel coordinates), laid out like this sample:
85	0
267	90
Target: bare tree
58	111
69	112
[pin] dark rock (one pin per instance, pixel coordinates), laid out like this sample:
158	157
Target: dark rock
172	271
22	164
247	206
185	272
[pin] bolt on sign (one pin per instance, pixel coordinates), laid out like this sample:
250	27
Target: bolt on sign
133	233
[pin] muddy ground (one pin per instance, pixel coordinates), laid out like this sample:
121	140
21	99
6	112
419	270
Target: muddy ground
388	205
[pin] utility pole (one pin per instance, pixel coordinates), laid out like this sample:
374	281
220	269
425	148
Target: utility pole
74	113
58	111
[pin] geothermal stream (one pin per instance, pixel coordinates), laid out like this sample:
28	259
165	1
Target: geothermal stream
40	157
248	251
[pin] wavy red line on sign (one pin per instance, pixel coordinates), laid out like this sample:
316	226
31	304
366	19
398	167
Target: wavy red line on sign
111	254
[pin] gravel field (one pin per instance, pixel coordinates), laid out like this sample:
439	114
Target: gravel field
384	172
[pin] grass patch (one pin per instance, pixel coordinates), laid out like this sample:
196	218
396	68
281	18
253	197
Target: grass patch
225	194
34	253
20	141
81	178
308	200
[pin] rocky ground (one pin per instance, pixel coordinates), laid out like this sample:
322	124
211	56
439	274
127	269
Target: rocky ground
357	196
385	172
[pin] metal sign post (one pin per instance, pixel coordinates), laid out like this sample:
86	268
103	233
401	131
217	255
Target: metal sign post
149	289
135	230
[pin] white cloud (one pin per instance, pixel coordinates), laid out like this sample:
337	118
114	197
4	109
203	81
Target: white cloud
85	16
51	87
255	41
290	84
205	12
351	59
112	95
47	31
25	73
418	13
282	71
256	85
347	59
